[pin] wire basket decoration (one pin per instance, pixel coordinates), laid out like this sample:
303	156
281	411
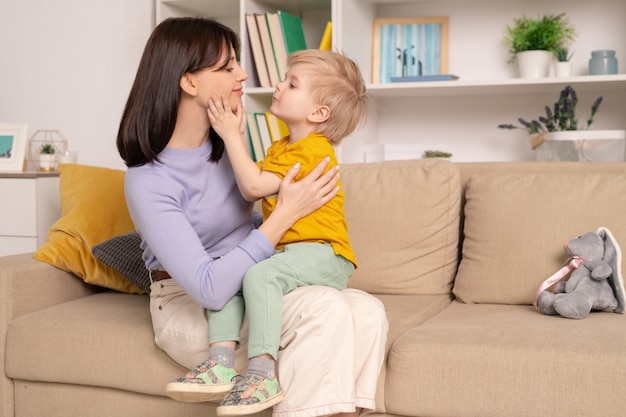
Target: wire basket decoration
43	148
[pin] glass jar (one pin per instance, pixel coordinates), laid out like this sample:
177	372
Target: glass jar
603	62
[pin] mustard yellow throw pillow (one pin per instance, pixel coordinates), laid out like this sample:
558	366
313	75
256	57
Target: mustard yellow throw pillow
93	209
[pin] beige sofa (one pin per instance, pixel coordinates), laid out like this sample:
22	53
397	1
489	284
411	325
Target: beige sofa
455	252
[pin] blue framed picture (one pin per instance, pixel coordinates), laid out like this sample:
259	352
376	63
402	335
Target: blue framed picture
409	47
12	146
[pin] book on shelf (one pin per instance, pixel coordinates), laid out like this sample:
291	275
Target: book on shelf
278	128
256	145
278	43
264	131
268	51
327	39
422	78
293	32
273	36
257	51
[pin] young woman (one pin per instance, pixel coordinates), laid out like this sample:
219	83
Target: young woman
199	235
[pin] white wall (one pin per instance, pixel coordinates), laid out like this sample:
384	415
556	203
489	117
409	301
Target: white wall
68	65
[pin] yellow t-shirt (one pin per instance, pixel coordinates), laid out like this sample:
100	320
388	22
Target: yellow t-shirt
328	223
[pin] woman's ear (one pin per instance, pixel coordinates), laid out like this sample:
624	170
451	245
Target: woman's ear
320	115
187	84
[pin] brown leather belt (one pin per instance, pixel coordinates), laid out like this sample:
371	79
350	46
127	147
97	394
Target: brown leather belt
160	275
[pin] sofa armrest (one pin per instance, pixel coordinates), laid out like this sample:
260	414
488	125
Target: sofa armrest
28	285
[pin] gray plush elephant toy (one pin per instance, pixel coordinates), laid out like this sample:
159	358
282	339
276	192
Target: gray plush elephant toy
596	283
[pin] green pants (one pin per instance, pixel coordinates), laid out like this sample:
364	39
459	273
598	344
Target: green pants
264	285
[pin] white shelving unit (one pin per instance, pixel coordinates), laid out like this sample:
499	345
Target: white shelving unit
462	115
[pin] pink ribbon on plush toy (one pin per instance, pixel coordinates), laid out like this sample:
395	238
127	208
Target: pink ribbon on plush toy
575	262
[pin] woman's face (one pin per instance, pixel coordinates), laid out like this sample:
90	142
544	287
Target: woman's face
224	79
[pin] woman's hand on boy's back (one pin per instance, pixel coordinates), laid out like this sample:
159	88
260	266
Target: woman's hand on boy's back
297	199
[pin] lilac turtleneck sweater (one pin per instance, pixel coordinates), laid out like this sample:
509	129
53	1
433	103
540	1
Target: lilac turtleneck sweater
194	223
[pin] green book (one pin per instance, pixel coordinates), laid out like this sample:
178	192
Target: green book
293	32
256	146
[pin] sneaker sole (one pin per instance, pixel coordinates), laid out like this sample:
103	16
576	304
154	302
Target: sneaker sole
244	410
197	393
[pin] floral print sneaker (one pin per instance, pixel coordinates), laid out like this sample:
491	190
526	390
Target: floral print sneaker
251	394
209	381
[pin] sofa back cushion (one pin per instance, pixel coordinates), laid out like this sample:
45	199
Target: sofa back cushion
403	221
515	225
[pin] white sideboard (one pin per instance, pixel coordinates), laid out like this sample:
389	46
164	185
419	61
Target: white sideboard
30	205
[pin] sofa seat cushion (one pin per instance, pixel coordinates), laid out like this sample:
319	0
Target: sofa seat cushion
530	364
515	225
105	340
403	219
404	312
66	400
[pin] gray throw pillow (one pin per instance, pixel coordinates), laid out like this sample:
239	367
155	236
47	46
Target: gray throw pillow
123	254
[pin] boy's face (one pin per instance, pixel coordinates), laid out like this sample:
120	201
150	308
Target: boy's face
292	101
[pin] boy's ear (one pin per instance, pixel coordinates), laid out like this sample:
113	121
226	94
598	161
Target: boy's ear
320	115
187	84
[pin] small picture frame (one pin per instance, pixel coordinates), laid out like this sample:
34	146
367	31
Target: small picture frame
409	47
12	146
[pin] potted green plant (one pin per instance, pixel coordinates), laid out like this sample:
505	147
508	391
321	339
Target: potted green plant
562	116
561	128
563	64
437	154
563	55
47	157
537	40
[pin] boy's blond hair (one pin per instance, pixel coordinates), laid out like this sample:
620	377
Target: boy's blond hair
337	83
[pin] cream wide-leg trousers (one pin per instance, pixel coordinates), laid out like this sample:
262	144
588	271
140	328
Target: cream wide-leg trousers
331	349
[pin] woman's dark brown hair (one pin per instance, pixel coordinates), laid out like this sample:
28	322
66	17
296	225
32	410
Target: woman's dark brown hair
176	46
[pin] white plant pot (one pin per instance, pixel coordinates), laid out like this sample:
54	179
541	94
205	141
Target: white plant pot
563	69
582	145
534	64
46	162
